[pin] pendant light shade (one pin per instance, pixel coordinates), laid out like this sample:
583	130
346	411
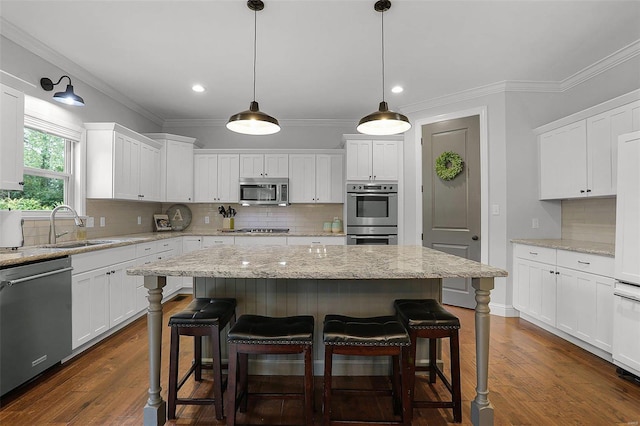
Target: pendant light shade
383	121
253	121
66	97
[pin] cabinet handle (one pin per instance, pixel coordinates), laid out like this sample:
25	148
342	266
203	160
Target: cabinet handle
582	191
21	183
533	253
557	273
551	272
113	272
108	273
584	263
374	177
588	190
474	238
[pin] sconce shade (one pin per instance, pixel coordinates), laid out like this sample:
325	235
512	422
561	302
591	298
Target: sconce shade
66	97
253	122
384	122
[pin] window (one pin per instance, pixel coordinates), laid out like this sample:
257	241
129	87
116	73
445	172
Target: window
48	178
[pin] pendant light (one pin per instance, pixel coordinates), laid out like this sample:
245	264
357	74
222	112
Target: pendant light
383	121
253	121
66	97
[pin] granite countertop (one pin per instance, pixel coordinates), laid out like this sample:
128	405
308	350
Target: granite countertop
602	249
321	262
46	252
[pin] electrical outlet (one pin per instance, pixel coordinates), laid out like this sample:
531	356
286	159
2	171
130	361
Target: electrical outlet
206	219
139	220
535	224
90	222
495	209
102	222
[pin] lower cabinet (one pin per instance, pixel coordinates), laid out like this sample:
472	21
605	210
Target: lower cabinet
571	292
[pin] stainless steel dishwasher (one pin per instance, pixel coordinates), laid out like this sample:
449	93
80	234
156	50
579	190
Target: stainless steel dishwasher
35	319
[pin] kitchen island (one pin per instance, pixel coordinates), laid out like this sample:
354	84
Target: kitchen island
316	280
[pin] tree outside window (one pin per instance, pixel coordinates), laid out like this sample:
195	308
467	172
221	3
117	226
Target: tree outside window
46	173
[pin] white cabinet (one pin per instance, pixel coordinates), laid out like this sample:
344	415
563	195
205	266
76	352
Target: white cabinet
316	178
11	138
372	160
270	240
122	293
121	164
580	159
571	292
316	241
176	174
222	240
626	331
264	165
217	178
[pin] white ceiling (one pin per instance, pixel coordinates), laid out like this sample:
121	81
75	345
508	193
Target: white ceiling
320	59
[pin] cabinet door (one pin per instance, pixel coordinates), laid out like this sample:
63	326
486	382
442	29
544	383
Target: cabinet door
149	173
260	240
302	184
205	178
330	186
548	295
276	165
229	178
626	334
179	172
603	333
126	168
567	314
359	157
602	143
251	165
89	305
122	293
11	138
522	284
563	162
385	160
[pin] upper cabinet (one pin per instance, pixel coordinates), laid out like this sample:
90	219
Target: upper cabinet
176	160
316	178
579	159
372	160
11	139
122	164
264	165
216	177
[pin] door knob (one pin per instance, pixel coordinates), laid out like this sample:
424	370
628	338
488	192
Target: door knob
474	238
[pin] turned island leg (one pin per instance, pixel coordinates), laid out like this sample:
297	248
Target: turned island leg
155	412
481	408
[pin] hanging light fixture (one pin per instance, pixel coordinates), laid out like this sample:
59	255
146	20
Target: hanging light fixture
253	121
66	97
383	121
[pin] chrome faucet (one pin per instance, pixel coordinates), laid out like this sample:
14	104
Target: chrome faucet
52	222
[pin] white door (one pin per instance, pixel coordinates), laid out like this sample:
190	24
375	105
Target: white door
126	173
229	178
359	160
276	165
329	178
384	160
205	177
302	184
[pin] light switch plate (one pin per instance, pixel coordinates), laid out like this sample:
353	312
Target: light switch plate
102	222
206	219
535	224
90	222
495	209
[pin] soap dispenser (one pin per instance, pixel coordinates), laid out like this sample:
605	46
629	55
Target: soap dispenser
336	226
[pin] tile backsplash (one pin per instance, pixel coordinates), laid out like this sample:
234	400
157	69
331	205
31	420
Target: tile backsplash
591	219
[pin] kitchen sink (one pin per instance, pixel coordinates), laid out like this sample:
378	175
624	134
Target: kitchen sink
80	244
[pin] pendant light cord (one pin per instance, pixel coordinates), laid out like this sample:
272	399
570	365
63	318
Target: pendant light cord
255	41
382	32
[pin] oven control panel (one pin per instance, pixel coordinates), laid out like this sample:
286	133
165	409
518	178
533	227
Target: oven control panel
372	187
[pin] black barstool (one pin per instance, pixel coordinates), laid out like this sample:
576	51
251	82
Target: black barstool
202	317
426	318
256	334
374	336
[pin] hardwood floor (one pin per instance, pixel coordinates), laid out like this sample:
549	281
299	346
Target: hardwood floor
535	378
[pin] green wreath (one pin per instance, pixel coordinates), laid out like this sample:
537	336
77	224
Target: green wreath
448	165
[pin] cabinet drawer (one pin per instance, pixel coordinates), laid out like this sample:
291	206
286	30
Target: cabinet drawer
169	244
537	254
146	249
309	241
591	263
84	262
217	241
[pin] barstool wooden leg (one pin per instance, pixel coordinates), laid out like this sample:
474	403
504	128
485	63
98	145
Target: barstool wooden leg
173	373
396	385
407	378
455	377
217	371
231	387
326	400
243	380
432	360
308	385
197	358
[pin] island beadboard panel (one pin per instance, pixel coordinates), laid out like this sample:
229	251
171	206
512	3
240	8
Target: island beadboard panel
287	297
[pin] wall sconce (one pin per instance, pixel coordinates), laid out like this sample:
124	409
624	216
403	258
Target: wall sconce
66	97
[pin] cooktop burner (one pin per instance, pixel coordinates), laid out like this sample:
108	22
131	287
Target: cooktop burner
265	230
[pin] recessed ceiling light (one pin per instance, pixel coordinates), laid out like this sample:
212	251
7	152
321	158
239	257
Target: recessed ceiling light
198	88
397	89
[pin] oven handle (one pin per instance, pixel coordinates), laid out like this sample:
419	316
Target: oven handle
34	277
371	237
626	296
366	194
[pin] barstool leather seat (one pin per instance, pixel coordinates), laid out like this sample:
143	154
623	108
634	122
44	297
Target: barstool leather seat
204	312
258	329
372	331
425	313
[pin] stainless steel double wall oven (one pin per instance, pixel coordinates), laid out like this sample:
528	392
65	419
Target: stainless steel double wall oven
372	213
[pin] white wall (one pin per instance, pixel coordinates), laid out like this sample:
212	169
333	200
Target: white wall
302	134
29	67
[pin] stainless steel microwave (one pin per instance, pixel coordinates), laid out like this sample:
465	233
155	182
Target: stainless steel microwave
264	191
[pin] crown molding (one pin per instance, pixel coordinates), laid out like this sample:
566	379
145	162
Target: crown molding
214	122
464	95
15	34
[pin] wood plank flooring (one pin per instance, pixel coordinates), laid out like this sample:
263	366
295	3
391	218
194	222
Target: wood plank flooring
535	378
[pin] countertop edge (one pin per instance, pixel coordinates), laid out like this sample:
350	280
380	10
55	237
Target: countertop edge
587	247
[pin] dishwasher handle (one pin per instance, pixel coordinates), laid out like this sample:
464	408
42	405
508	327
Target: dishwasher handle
9	283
